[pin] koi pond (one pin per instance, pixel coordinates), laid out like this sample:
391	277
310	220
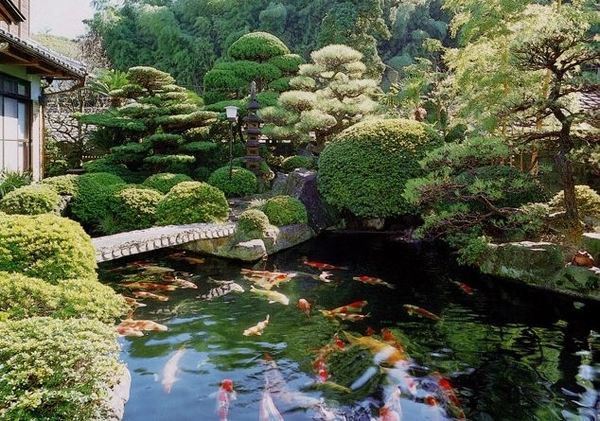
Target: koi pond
374	329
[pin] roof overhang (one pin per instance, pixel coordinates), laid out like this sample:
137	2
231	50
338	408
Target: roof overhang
10	13
38	59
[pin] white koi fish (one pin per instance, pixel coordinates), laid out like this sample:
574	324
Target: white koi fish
169	375
272	296
268	410
257	329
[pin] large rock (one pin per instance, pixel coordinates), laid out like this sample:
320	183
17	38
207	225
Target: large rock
302	184
543	265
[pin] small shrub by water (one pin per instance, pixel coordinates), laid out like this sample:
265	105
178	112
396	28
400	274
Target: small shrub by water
90	204
284	210
191	202
242	182
252	223
133	208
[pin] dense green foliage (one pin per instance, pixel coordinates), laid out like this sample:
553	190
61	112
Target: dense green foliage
588	202
63	184
11	180
132	208
251	223
242	182
163	182
90	203
30	200
284	210
56	370
290	163
364	169
468	196
46	246
191	202
23	297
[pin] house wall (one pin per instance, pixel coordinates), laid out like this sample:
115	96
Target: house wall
21	30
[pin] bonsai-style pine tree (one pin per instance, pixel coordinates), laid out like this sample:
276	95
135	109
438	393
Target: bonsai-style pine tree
156	122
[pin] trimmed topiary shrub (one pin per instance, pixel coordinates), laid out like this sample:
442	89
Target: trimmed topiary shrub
30	200
190	202
243	182
257	46
63	184
284	210
22	297
290	163
90	203
163	182
134	208
46	246
252	223
56	370
365	168
588	202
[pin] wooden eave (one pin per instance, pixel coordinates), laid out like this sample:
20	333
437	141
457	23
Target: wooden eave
39	60
10	13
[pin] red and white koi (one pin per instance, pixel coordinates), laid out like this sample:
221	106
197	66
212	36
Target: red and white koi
392	410
464	287
382	352
400	376
389	337
169	374
421	312
372	281
448	393
258	328
224	397
183	283
268	411
354	307
350	317
322	266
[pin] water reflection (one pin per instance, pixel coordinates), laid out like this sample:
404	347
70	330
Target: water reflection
498	352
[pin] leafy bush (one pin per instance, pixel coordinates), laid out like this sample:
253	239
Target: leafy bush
22	297
11	180
46	246
63	184
90	203
133	208
108	165
284	210
201	174
56	370
251	223
190	202
364	169
163	182
297	161
257	46
588	202
30	200
242	182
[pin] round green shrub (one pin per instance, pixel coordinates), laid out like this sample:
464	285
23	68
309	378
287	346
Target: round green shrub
56	370
588	202
30	200
297	161
163	182
251	223
46	246
108	165
365	168
63	184
201	174
284	210
134	208
90	202
22	297
243	182
191	202
257	46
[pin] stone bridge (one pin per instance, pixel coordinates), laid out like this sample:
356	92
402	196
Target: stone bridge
115	246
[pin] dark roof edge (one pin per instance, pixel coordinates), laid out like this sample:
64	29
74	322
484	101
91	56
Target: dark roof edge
69	65
15	13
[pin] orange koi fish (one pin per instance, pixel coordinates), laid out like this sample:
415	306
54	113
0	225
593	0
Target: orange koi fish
370	331
146	294
466	288
257	329
338	342
170	370
133	302
149	286
128	331
449	394
183	283
354	307
372	281
418	311
143	325
192	260
224	397
382	352
304	306
322	266
389	337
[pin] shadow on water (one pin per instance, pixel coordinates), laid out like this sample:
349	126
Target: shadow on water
499	350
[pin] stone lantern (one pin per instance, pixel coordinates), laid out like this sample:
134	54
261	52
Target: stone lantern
253	132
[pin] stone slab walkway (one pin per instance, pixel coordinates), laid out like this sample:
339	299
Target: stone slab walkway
112	247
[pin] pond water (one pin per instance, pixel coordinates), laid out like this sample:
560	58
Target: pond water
498	351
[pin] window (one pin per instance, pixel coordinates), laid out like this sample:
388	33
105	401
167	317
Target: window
15	107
